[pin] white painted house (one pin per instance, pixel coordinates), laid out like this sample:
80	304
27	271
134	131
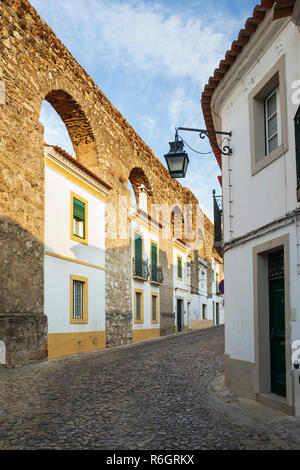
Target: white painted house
255	94
147	274
181	287
207	307
74	264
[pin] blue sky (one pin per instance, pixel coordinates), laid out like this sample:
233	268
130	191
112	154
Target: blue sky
151	59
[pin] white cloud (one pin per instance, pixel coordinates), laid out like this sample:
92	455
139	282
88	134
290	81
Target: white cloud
136	34
158	47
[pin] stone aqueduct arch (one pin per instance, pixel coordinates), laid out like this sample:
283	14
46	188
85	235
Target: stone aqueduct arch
35	65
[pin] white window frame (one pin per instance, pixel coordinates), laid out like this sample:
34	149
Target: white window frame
268	137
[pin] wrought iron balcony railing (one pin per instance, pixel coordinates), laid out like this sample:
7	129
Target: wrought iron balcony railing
156	274
218	211
140	268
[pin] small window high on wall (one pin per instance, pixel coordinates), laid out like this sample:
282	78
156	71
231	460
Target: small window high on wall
79	219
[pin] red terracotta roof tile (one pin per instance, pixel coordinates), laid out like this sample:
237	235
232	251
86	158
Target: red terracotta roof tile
79	165
282	8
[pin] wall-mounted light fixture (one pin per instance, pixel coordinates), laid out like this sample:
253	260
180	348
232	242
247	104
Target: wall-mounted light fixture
178	160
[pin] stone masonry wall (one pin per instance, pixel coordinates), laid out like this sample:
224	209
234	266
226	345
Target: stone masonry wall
34	66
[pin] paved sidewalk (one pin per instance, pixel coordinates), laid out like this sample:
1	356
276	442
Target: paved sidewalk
163	394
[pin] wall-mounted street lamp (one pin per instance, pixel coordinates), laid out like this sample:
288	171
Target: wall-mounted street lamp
177	159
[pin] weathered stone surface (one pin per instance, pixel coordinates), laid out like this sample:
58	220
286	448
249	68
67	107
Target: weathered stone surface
24	337
119	329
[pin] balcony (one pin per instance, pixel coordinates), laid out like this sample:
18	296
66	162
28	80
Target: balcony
156	274
218	223
140	268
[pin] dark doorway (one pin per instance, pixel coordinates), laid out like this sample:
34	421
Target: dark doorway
217	314
277	322
179	315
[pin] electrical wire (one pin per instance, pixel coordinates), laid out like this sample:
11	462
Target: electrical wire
201	153
196	151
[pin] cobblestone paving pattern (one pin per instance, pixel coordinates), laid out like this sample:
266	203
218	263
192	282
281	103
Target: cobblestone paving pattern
154	395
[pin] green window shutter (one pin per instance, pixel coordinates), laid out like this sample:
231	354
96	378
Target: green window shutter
154	261
179	268
138	249
78	209
154	312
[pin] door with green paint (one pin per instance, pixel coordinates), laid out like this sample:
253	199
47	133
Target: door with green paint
277	323
179	314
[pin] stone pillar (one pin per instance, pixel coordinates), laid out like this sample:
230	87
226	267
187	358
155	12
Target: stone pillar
118	276
23	325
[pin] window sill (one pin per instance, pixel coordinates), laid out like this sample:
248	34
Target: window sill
156	283
79	322
139	278
79	240
268	159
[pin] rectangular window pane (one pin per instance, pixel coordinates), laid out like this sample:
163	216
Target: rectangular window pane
154	313
271	105
77	300
78	227
273	143
138	306
204	312
272	126
271	122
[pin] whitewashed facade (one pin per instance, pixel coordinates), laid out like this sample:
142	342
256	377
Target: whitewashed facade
74	266
146	274
182	298
258	100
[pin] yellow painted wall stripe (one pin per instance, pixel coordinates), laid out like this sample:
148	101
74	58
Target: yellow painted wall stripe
148	333
55	255
182	290
179	248
65	344
74	178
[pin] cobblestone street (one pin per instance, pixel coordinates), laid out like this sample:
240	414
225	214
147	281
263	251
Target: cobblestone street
155	395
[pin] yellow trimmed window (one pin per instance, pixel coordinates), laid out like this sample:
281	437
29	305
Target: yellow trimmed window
179	267
138	306
79	219
78	299
154	308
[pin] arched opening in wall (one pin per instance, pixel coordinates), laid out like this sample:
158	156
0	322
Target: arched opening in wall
66	126
140	190
55	131
177	224
133	201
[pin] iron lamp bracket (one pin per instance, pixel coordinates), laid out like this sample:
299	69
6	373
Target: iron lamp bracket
211	135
